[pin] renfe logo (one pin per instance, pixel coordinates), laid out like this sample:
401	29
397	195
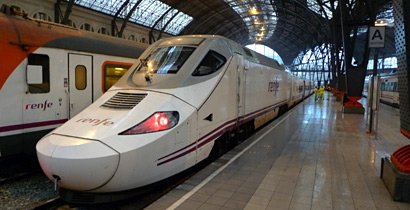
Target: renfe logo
40	106
95	122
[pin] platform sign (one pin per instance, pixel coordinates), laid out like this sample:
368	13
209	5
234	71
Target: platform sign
377	36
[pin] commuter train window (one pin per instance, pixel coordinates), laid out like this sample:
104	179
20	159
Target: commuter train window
211	63
38	73
112	72
166	60
389	86
80	77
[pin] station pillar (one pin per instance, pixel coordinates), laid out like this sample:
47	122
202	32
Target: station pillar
355	82
402	40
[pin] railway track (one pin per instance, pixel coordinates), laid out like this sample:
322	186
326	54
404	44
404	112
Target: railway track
53	203
22	183
15	168
34	191
134	202
37	192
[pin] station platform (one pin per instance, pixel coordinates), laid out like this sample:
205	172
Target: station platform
313	157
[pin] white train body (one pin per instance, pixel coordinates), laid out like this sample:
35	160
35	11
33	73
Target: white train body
389	89
48	78
205	86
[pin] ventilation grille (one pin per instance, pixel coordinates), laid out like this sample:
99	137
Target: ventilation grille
124	100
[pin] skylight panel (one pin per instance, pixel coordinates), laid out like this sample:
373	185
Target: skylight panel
147	13
325	10
259	17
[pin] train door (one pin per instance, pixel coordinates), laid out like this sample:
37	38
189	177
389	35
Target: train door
241	71
80	82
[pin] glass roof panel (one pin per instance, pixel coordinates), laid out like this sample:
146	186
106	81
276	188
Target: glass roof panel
322	7
325	8
386	16
258	15
147	13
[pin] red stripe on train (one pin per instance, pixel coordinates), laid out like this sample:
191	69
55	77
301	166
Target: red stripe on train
31	125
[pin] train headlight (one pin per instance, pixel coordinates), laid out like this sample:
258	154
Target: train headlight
159	121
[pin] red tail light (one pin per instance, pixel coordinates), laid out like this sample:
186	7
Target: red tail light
159	121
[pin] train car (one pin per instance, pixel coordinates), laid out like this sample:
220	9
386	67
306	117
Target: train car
49	73
297	90
366	86
389	89
308	88
179	104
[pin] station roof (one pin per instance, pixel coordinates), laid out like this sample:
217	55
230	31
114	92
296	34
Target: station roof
294	25
290	26
287	26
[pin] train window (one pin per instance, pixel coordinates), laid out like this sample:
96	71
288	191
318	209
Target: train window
166	60
38	73
80	77
112	72
383	86
34	74
210	64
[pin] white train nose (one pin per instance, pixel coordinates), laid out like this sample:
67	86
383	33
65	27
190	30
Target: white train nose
80	164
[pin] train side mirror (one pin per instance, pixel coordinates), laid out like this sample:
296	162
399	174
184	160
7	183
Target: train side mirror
34	74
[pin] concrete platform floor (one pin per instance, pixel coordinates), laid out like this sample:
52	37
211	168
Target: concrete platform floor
313	157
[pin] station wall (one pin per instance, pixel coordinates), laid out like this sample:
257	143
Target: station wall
402	36
81	18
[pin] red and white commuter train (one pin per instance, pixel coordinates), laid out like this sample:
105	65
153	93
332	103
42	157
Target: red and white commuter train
169	112
49	73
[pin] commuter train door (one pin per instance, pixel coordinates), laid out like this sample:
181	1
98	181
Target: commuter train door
80	82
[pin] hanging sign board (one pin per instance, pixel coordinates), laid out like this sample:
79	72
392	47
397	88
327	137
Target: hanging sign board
377	36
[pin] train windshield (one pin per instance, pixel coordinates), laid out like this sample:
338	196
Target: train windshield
166	60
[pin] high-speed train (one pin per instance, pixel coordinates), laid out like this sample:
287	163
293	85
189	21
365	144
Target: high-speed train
49	73
169	112
389	89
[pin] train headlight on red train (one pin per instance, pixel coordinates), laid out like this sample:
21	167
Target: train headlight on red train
159	121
